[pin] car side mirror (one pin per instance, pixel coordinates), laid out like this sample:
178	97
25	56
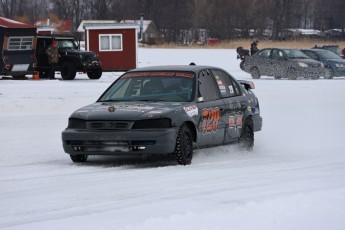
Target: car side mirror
247	84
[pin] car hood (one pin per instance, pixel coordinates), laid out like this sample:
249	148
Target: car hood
336	61
128	111
77	52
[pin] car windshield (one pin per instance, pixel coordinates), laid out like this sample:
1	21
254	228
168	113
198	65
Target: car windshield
334	49
152	86
295	54
328	55
67	44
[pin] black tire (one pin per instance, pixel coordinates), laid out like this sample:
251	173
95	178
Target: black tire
95	74
315	77
292	74
242	65
329	74
246	140
79	158
184	146
68	71
255	73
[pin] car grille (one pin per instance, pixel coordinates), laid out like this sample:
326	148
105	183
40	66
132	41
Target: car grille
108	125
109	146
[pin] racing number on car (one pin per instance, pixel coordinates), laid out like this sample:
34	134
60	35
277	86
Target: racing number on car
210	119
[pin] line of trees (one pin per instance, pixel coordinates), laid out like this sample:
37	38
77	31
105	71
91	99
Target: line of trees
220	17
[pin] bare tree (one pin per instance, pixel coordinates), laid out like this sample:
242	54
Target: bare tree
221	17
9	8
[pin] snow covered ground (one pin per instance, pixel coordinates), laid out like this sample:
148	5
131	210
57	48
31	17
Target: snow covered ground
294	178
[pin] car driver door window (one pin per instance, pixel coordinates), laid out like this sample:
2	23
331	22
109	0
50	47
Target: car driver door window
264	61
210	105
279	63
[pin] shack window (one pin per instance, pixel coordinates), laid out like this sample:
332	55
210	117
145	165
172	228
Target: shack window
110	42
20	43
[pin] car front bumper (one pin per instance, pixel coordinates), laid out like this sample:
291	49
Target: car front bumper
95	64
119	142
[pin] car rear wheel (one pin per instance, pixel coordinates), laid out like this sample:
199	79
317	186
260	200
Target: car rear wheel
242	65
184	146
95	74
329	73
246	140
79	158
255	73
68	71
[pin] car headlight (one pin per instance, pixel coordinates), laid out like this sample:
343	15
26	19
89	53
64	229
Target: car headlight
340	65
302	64
74	123
152	124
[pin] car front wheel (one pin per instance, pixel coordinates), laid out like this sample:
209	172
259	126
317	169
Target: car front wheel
246	140
79	158
68	71
255	73
95	74
329	73
184	146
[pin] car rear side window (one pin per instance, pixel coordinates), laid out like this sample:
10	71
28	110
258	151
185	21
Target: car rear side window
277	54
226	85
265	53
311	54
208	89
20	43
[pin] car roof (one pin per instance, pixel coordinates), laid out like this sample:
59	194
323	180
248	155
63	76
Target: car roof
56	36
325	46
280	48
189	68
288	48
317	50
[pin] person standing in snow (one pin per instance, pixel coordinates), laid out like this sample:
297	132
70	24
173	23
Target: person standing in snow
53	58
254	47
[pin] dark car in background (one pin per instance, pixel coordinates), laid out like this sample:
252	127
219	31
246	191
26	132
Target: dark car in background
17	48
333	48
335	65
283	63
163	111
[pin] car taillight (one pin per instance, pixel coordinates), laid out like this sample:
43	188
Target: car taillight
342	53
34	65
7	66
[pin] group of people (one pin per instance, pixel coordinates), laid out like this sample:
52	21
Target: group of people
53	55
